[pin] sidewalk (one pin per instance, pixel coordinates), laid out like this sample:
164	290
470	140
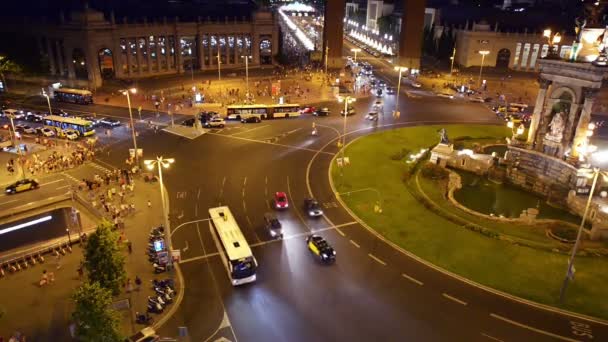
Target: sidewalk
48	309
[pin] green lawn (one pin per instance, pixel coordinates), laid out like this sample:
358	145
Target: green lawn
526	272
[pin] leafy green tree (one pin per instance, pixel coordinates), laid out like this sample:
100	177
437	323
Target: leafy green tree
8	65
387	24
95	320
104	261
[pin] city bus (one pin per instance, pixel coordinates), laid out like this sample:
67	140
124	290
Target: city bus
289	110
234	250
236	112
84	127
79	96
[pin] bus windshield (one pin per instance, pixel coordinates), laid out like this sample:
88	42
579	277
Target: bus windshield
242	268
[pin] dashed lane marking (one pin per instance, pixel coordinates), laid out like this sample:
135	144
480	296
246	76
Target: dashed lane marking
536	330
272	143
454	299
412	279
340	232
355	244
491	337
375	258
249	130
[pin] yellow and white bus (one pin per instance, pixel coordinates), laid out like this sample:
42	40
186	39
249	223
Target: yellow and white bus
79	96
59	123
289	110
234	250
238	112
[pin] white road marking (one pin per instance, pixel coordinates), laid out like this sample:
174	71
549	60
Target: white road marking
355	244
244	181
62	187
340	232
271	143
376	259
540	331
185	223
198	194
249	130
196	209
55	181
491	337
412	279
3	203
462	302
185	248
296	210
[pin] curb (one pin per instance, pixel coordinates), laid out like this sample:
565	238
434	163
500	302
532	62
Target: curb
446	272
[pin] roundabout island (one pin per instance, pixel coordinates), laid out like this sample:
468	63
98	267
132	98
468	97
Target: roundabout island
391	187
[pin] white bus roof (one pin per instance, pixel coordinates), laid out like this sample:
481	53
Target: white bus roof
75	121
229	232
73	91
248	106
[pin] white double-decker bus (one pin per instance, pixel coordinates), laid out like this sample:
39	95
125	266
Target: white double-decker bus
234	250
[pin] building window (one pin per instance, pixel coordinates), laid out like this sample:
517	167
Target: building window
231	49
517	52
534	56
248	45
206	49
213	42
171	51
524	57
565	51
545	51
141	42
123	56
163	52
240	49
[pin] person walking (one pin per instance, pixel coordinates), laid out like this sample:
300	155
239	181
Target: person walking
149	204
137	283
58	259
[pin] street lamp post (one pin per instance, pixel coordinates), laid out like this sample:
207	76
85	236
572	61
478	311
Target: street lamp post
483	54
515	132
400	69
552	39
247	57
355	50
326	53
69	236
48	100
133	133
14	137
161	163
347	100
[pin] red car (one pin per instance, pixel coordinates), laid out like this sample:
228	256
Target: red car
308	110
280	200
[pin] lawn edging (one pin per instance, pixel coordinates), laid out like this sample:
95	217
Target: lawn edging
443	270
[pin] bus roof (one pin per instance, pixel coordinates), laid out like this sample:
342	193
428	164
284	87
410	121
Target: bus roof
285	105
248	106
229	232
75	121
73	91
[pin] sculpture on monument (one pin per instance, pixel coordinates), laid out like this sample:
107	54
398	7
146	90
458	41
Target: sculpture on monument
443	134
557	126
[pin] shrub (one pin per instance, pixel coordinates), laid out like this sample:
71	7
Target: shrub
434	171
400	155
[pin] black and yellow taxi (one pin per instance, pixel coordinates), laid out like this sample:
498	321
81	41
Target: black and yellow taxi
22	185
319	247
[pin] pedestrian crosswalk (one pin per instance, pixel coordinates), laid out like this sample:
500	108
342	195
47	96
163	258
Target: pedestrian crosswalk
99	167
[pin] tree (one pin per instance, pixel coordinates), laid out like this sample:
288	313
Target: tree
387	24
103	260
8	65
94	318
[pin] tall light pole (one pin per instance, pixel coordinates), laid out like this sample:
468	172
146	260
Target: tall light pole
326	53
48	100
355	50
452	63
14	136
570	270
483	54
347	100
161	163
133	133
247	57
400	69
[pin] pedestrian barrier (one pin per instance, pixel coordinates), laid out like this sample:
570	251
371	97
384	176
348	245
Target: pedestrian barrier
32	258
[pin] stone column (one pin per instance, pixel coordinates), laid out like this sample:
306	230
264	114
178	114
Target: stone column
148	55
117	58
139	59
333	33
255	48
67	55
51	56
410	38
168	48
569	128
159	55
581	127
199	50
210	51
538	109
129	57
59	59
178	53
236	50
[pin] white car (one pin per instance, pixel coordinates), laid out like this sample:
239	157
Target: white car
70	134
215	122
416	85
445	95
147	334
47	132
372	116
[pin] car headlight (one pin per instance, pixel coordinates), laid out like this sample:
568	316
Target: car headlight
272	233
324	255
8	190
334	252
311	213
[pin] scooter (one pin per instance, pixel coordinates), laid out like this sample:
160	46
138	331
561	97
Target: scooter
159	268
164	295
154	306
160	300
162	283
314	132
144	319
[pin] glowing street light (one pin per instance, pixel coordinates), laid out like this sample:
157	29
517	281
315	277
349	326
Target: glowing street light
247	58
599	157
400	69
552	39
48	100
126	93
347	100
161	163
483	54
355	50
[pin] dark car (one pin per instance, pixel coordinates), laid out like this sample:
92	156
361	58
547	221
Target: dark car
321	112
93	120
251	119
349	112
188	122
22	185
390	90
109	122
312	207
273	225
31	117
319	247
